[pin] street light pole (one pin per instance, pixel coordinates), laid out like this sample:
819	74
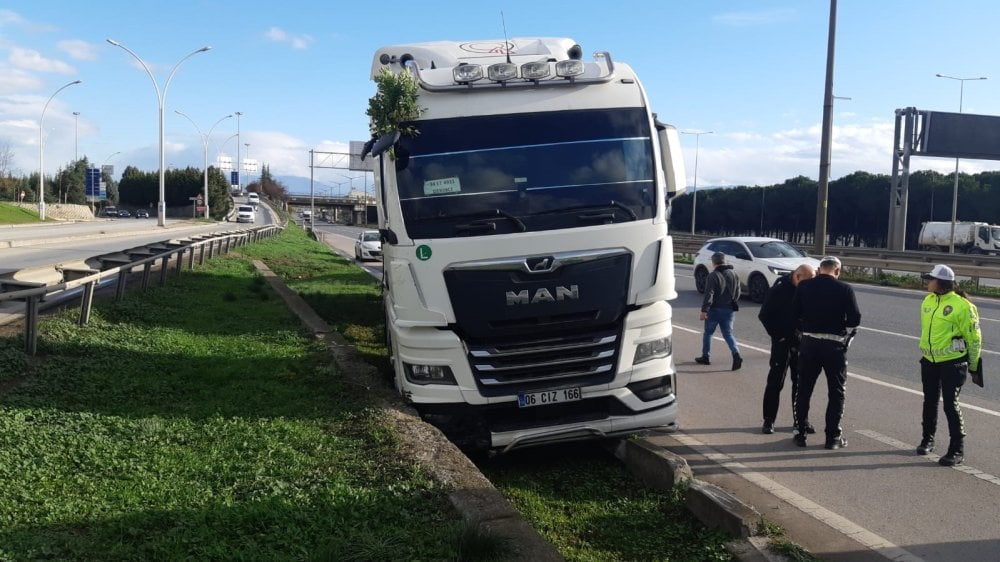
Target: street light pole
161	98
41	151
239	173
204	142
76	137
694	191
954	193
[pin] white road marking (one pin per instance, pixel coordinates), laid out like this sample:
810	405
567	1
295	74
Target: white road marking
964	405
875	542
934	458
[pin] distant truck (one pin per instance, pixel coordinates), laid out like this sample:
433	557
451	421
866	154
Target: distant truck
111	211
970	237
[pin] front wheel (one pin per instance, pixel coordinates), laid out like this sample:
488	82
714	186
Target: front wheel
700	278
758	288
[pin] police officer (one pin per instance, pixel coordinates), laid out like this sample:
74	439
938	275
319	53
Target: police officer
776	316
950	345
825	308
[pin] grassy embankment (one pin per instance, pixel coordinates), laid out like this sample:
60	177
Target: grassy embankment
12	214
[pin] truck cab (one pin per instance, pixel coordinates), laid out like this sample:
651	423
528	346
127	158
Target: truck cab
527	261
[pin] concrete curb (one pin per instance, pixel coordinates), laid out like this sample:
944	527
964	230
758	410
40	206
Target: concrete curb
661	469
472	494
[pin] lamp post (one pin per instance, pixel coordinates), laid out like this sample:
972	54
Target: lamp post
246	167
76	135
954	193
204	142
161	98
239	173
41	151
694	191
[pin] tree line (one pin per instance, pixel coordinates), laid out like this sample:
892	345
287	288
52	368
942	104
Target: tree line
857	207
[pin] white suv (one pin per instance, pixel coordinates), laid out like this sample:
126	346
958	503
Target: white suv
757	261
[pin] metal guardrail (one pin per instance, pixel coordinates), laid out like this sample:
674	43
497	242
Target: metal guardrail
117	267
975	266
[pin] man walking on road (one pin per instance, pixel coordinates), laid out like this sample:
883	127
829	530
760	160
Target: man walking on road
778	319
722	295
825	308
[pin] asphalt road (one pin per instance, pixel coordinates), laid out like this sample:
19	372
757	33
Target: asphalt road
65	242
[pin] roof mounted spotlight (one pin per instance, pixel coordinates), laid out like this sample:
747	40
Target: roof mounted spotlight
569	68
502	71
535	70
466	73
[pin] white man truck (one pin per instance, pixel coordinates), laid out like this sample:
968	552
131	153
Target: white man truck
970	237
527	264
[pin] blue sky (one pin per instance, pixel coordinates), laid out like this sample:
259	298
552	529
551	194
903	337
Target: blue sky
750	71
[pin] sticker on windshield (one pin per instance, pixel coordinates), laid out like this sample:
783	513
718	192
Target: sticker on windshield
442	186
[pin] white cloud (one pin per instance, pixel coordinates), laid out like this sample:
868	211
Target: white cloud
15	81
279	35
8	17
33	60
78	50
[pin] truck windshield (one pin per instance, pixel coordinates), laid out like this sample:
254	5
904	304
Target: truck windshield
526	172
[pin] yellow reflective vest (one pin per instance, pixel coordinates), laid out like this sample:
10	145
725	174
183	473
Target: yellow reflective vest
949	329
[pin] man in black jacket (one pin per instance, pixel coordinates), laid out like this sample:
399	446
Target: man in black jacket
722	295
779	321
825	308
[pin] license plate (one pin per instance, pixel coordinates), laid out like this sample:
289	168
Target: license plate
546	397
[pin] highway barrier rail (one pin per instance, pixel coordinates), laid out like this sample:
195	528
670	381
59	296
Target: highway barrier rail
50	284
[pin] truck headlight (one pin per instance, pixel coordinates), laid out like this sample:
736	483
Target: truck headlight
429	374
653	350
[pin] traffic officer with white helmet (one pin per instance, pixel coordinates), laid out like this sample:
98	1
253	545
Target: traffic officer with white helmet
951	347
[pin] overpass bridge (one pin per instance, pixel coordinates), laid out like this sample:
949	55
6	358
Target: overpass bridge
342	210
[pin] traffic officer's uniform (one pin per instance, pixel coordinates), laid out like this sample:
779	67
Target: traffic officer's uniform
825	307
950	343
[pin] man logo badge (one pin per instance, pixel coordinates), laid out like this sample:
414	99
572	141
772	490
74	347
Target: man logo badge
543	295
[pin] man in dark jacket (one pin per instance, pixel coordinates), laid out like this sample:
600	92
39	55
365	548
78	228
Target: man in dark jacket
825	308
722	293
779	321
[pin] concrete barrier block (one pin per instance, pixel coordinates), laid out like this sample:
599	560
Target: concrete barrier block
654	466
718	509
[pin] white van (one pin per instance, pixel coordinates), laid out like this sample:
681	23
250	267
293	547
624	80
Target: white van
253	199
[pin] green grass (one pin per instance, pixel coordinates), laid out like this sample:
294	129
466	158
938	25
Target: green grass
196	421
12	214
592	509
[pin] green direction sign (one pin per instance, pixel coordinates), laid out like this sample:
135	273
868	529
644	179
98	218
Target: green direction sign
423	252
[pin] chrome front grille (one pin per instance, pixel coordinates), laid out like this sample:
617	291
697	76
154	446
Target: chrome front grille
521	365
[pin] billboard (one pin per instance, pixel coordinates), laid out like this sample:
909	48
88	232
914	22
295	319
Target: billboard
961	135
356	163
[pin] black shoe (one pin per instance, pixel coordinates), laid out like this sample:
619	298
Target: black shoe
926	446
836	443
768	428
810	429
952	458
737	362
800	439
703	360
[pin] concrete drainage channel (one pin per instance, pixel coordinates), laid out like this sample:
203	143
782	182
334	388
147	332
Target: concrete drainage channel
475	497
